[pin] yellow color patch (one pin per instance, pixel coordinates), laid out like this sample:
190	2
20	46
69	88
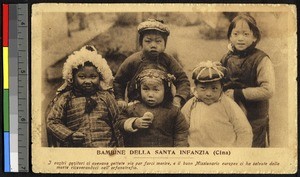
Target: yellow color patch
5	68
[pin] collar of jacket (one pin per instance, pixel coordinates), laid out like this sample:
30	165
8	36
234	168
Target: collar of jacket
90	103
244	53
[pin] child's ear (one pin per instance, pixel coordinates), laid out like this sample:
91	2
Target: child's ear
141	46
230	46
194	92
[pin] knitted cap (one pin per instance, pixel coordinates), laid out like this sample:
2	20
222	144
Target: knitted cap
155	73
209	71
153	24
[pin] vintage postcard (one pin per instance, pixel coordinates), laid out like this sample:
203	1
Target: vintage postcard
164	88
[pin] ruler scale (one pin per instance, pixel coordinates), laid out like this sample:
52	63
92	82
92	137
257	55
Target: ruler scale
23	88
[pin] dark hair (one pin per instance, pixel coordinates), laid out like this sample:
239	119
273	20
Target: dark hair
250	21
87	63
143	33
168	96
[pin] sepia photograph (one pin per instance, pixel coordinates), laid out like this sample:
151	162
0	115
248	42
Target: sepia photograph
164	88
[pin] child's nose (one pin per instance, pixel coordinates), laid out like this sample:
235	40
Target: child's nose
208	93
240	37
150	94
88	80
153	44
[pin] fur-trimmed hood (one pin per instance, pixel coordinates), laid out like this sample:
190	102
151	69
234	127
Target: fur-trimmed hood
78	58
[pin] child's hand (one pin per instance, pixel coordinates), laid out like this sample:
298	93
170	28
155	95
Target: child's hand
122	104
142	122
78	137
229	93
149	115
177	101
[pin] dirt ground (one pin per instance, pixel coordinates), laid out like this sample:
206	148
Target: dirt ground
191	49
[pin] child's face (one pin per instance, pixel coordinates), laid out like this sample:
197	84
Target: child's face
153	44
87	79
241	36
209	92
152	92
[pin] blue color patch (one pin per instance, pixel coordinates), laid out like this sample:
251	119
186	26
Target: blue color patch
6	152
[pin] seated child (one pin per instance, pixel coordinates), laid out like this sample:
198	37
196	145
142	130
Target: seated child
83	113
214	119
153	121
153	36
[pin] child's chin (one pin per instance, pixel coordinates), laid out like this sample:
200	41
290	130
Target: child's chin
152	104
89	91
153	54
241	48
209	102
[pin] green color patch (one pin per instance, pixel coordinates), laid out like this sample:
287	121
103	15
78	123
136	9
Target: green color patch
6	110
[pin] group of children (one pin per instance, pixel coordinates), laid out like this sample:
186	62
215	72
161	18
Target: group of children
152	103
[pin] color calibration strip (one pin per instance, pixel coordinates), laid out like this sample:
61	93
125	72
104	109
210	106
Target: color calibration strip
13	88
15	83
6	127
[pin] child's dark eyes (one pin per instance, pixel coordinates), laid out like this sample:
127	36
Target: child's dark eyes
244	34
83	77
148	89
149	40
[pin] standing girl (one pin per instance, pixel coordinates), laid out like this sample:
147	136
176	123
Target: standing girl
153	121
251	78
83	114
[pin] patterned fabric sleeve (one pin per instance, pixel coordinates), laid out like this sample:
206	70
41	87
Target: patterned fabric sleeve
180	131
114	113
55	118
124	117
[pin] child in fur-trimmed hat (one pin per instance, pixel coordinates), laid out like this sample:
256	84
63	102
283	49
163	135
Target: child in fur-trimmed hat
153	35
215	120
83	113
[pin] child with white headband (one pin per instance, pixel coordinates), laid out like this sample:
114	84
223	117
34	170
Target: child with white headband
153	121
214	119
